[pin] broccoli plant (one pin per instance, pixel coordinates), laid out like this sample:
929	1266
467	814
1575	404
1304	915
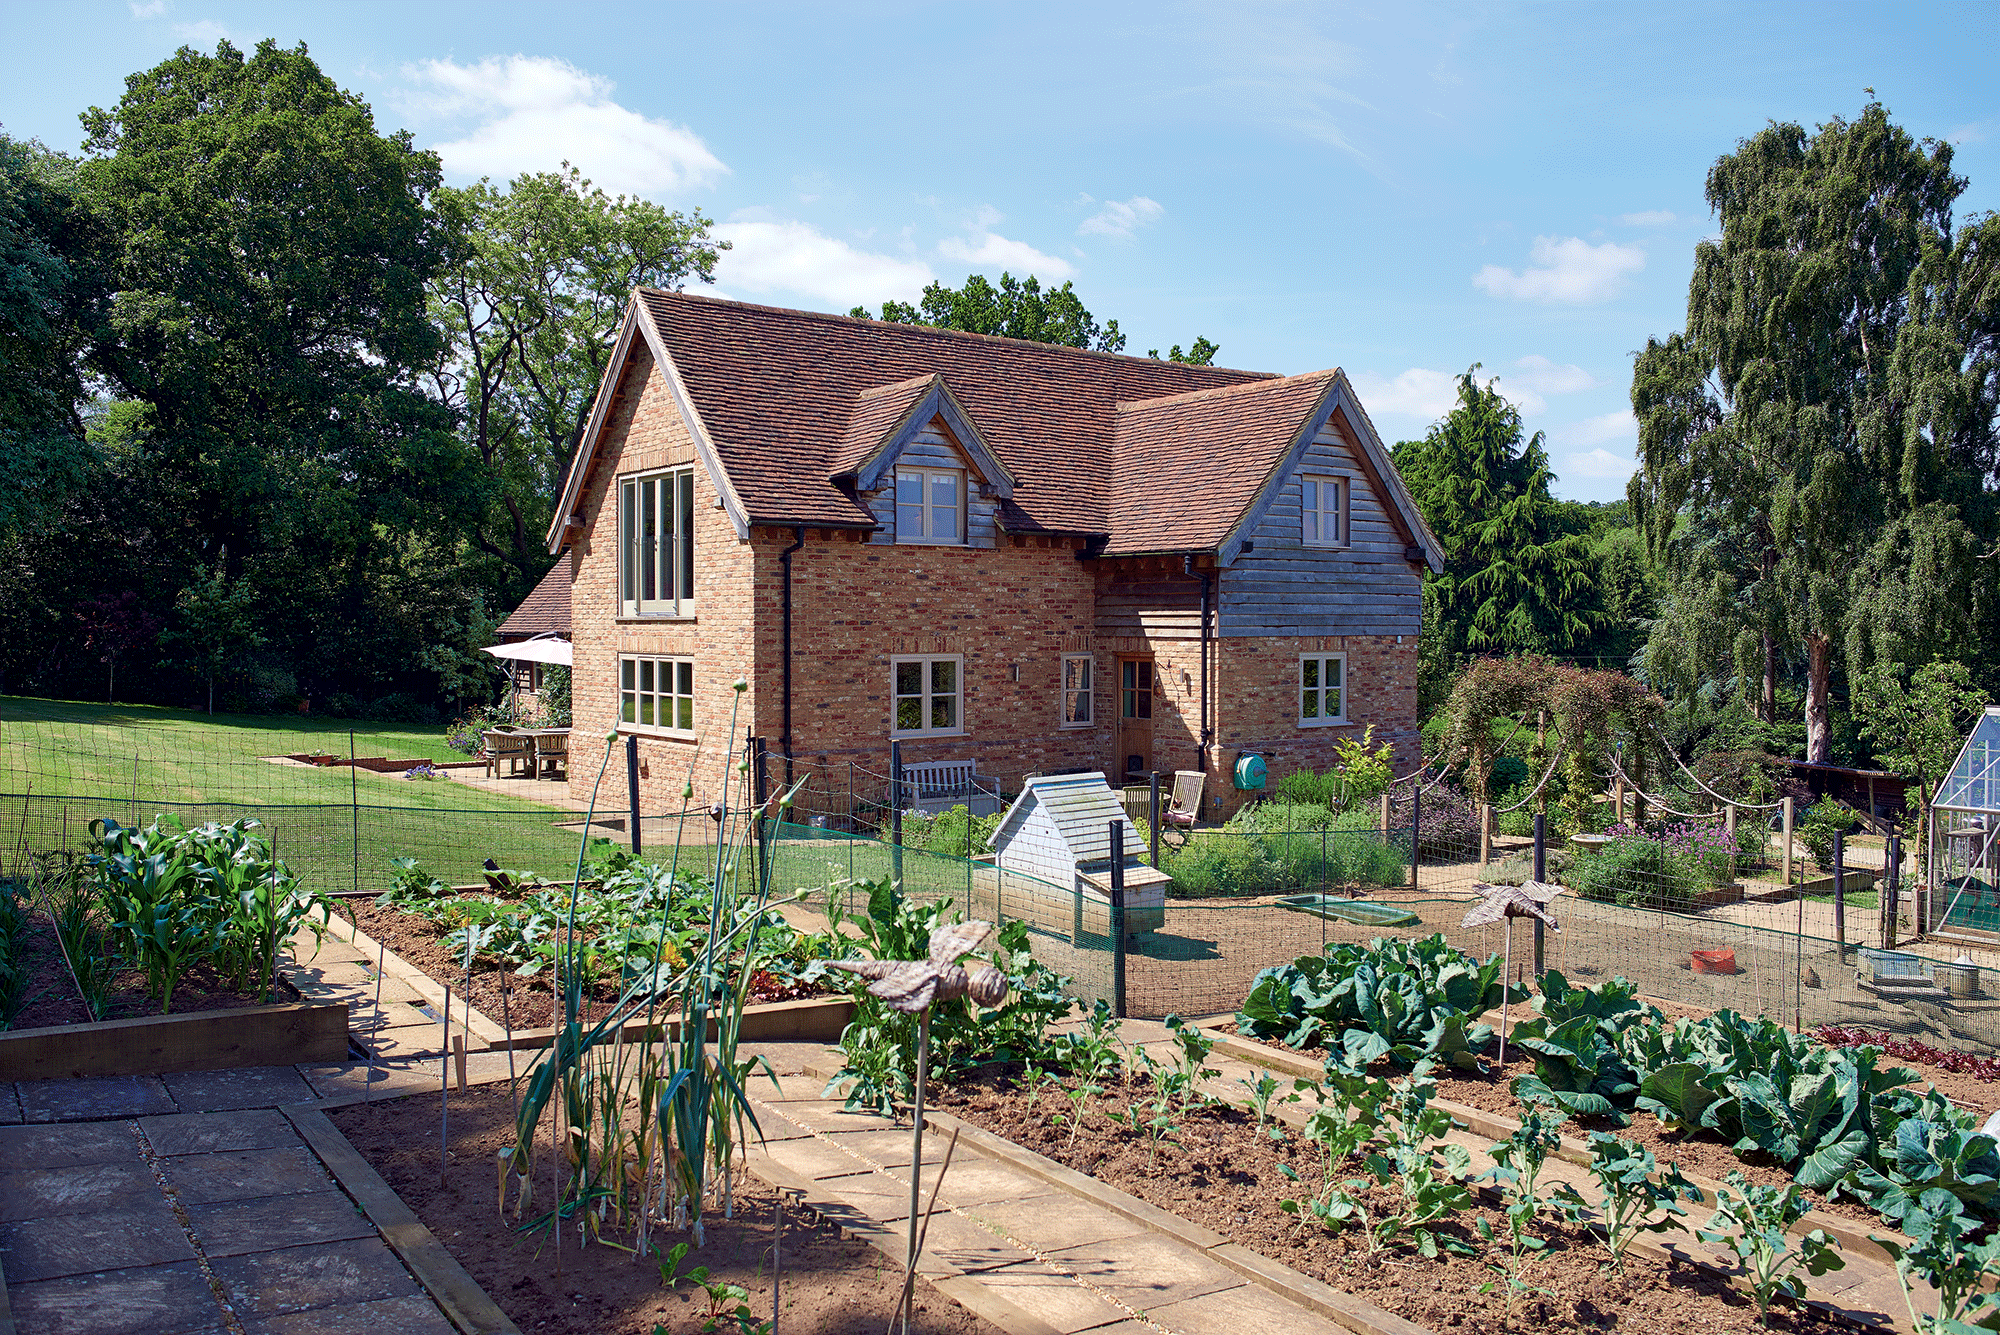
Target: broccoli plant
1631	1195
1942	1254
1517	1169
1752	1221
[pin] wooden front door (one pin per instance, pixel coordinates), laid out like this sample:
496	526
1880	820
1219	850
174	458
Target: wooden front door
1135	717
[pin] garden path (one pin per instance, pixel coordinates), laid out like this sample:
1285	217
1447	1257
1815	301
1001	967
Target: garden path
1024	1254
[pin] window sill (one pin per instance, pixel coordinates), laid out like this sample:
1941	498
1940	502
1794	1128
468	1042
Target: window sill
929	542
921	736
662	734
1074	727
1325	723
688	620
1326	546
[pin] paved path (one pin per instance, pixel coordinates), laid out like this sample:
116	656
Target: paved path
192	1222
1025	1254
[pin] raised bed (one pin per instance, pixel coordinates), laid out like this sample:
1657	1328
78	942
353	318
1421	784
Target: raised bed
158	1044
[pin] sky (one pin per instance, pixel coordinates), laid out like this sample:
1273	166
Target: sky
1400	190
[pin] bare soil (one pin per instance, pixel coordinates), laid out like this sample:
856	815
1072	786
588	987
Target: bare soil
1225	1173
530	1002
54	999
828	1284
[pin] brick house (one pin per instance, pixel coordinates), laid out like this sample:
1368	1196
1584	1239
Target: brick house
1031	557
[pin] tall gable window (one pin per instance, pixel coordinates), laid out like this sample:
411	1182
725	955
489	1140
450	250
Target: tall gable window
930	505
1324	501
656	544
1322	689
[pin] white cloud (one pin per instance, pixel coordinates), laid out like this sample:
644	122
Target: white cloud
793	257
1537	373
1571	271
1650	218
1419	393
989	250
1599	463
152	9
1974	132
532	113
1121	218
1620	425
205	34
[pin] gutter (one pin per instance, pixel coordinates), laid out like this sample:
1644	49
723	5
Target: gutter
785	599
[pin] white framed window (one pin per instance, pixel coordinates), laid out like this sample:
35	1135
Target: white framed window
656	694
1076	671
930	505
1323	500
656	544
929	694
1322	689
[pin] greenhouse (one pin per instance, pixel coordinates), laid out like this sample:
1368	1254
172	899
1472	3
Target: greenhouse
1965	863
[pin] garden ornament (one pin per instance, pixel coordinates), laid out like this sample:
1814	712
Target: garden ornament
911	986
1504	903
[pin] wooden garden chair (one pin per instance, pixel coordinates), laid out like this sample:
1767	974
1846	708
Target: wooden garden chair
1185	809
510	747
551	751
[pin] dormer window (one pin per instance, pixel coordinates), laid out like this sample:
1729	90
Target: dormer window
930	505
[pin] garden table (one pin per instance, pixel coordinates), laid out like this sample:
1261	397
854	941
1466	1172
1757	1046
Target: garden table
546	745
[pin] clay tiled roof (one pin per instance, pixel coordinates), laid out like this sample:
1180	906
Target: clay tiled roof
1185	469
545	610
876	412
778	391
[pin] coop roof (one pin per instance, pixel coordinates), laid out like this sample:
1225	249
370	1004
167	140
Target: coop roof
1974	781
1082	807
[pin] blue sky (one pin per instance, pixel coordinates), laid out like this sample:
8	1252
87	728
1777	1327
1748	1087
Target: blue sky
1401	190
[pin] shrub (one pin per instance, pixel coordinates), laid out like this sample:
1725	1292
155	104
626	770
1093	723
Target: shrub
1448	822
1824	819
399	707
1221	864
1305	787
1276	817
955	833
1636	871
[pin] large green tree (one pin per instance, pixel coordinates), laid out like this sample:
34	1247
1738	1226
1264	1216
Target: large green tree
1517	575
1817	447
1014	309
272	251
529	303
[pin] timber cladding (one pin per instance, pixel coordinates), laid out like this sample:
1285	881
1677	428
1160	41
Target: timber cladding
284	1035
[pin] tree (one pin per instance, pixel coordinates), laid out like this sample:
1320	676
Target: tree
1515	580
1817	446
115	625
530	303
216	623
1201	354
51	294
1918	728
1015	309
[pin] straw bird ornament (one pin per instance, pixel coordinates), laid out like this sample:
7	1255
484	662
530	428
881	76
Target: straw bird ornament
1512	901
912	985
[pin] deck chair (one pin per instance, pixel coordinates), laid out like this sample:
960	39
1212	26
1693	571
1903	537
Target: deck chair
1185	809
509	747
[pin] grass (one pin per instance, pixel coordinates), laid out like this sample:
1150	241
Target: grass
64	763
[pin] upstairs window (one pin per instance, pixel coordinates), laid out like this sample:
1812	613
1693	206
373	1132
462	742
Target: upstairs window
656	544
930	505
1324	501
928	694
1075	690
1322	690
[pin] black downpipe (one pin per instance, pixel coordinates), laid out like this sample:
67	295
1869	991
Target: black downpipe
1207	633
785	600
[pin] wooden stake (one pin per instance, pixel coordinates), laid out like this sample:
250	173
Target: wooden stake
444	1089
458	1058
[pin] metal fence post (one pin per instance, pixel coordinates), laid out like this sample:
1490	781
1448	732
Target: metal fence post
1840	893
1118	918
1485	833
1785	853
354	798
632	783
761	762
1541	874
1892	878
1416	812
896	809
1156	817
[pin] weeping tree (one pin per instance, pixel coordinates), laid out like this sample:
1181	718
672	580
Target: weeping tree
1817	447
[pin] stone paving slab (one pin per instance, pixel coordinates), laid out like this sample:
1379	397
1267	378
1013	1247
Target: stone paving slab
1064	1304
53	1146
10	1105
193	1133
94	1098
236	1228
79	1244
387	1316
295	1279
151	1300
44	1193
234	1175
1147	1270
246	1087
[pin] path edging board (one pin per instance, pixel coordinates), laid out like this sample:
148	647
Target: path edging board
456	1293
1356	1314
279	1035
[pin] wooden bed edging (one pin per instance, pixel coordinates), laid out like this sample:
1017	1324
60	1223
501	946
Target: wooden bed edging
283	1035
464	1303
1356	1314
1851	1234
811	1020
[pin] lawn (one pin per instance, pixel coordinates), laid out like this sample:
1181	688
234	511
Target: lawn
64	763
